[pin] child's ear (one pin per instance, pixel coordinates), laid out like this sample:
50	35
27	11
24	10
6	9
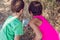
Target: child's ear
31	13
21	11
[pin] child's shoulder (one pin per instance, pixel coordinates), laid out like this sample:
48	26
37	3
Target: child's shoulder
12	20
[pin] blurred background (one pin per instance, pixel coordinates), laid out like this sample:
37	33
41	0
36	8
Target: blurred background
51	11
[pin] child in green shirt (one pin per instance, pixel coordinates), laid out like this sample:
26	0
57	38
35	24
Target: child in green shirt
12	28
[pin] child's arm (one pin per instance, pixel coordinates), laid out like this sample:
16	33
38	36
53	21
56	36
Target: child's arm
34	25
17	38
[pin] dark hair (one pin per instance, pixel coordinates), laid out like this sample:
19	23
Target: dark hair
17	5
35	7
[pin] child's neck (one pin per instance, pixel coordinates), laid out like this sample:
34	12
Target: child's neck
17	15
38	15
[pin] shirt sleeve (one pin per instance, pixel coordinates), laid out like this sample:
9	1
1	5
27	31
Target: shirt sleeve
19	29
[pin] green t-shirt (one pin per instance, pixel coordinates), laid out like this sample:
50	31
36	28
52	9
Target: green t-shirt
11	27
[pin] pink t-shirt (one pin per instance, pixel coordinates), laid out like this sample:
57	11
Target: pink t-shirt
47	30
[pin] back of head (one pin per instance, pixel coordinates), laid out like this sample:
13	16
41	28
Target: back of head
17	5
35	7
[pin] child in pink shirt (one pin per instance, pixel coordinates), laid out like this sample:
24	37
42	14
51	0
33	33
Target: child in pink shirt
47	30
